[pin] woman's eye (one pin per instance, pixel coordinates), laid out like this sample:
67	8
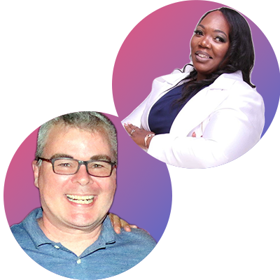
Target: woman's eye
198	32
220	39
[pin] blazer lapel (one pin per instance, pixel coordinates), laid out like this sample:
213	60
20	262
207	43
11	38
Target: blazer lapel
162	85
201	106
169	81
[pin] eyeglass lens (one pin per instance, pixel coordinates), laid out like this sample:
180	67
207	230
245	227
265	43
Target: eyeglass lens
71	166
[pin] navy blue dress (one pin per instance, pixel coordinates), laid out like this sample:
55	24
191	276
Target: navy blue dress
164	111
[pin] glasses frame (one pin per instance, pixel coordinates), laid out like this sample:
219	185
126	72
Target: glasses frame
80	162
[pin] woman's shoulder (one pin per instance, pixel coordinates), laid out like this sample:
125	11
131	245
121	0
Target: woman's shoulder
238	91
186	69
176	75
232	81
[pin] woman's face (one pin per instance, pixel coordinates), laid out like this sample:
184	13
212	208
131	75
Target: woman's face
209	44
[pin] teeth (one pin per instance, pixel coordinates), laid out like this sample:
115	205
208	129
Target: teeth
203	55
80	197
87	199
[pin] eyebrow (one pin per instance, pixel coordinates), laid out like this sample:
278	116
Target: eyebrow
95	157
101	157
216	30
61	155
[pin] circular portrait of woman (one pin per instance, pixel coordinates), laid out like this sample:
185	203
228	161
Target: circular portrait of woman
216	105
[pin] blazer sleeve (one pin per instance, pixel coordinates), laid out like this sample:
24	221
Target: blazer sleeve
136	115
231	130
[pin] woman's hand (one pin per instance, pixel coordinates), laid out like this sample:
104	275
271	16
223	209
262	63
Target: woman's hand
138	135
117	223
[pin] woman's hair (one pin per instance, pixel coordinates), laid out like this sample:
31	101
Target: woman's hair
240	55
89	121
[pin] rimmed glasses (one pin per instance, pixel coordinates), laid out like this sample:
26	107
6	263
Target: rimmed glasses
70	166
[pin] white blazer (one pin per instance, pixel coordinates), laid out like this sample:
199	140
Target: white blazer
227	118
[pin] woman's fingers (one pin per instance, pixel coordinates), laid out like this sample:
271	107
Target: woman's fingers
138	135
130	128
116	223
119	223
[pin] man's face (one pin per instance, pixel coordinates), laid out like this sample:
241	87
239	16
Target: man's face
57	208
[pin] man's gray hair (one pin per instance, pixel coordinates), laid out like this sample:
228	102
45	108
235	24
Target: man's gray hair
92	121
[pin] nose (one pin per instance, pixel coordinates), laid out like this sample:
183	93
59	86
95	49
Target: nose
82	177
205	42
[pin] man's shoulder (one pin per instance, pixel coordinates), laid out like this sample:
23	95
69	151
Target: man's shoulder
18	229
137	237
22	230
21	235
133	246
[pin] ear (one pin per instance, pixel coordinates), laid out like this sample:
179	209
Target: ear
35	172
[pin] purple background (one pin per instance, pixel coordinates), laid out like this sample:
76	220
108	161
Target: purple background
143	194
160	43
155	47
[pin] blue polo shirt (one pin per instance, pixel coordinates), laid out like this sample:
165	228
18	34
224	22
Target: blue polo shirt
110	255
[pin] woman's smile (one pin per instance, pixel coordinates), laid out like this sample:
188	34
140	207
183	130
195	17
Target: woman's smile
202	56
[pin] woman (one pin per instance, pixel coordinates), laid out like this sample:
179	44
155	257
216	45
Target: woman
207	113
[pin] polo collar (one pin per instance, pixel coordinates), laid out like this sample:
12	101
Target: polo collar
106	237
32	227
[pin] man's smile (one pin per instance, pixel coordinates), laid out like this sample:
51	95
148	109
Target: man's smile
79	199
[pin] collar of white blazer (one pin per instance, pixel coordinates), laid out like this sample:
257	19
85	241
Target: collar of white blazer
198	109
224	83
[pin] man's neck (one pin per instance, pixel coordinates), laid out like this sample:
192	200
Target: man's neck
75	240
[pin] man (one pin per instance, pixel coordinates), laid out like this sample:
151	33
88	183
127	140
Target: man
75	172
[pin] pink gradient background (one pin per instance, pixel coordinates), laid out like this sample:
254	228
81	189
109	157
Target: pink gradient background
160	43
143	195
155	47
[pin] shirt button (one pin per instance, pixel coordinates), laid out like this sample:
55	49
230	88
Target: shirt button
56	247
79	261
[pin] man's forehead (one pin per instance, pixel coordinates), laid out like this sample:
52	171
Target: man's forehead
94	157
61	129
58	134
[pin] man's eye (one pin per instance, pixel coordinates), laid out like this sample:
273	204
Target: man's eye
65	164
97	165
